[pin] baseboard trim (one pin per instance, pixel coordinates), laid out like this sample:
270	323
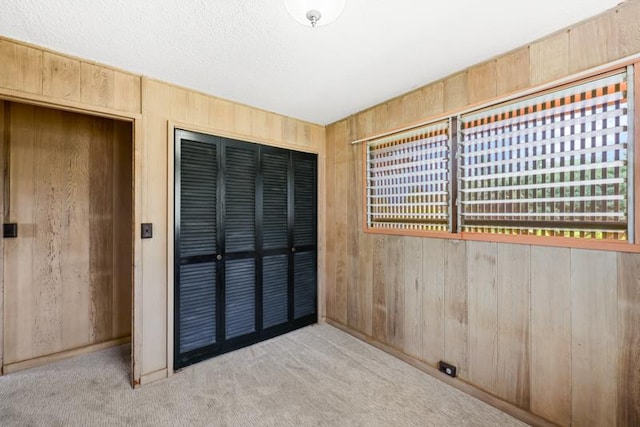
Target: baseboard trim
461	385
43	360
154	376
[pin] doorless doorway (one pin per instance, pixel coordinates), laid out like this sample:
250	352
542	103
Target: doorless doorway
67	269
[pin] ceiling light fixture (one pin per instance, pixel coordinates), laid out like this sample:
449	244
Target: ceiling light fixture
315	12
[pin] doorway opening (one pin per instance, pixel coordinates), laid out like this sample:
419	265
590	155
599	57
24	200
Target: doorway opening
67	259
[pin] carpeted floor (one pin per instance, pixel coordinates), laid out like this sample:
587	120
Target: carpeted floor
316	376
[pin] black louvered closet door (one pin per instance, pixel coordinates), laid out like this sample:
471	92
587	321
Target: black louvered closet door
275	237
304	236
239	228
245	244
196	245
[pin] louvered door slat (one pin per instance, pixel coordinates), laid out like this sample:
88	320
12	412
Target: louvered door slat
240	304
198	198
197	300
275	290
305	200
274	206
305	284
240	190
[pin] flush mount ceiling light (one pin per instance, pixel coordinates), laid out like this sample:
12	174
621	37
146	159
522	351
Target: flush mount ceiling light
315	13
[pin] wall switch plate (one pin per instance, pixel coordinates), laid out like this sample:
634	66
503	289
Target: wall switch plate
447	369
10	230
146	231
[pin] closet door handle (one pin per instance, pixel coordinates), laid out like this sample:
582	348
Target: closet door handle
293	249
219	257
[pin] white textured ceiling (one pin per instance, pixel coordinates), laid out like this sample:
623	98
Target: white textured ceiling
253	52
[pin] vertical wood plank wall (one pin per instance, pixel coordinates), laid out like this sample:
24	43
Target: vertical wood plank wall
553	331
165	103
3	143
37	75
65	288
366	286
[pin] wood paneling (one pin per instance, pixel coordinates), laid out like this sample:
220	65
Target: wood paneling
379	313
551	333
549	58
388	292
221	115
59	271
456	309
242	123
482	262
21	67
3	166
96	85
593	42
365	281
482	82
393	279
342	260
101	231
37	71
380	119
594	321
365	124
394	114
513	324
48	258
629	28
550	330
355	284
456	92
341	136
628	410
413	107
61	77
413	296
432	302
331	240
123	212
512	71
483	314
433	96
81	134
18	269
156	108
362	250
73	83
126	95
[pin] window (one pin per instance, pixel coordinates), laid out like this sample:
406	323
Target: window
556	164
408	179
552	165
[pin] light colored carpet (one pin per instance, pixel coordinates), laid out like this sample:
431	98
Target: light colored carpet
316	376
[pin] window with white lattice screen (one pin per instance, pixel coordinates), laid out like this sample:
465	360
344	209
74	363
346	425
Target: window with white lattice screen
550	165
408	180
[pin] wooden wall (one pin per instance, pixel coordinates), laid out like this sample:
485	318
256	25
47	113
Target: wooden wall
44	75
553	331
35	75
165	106
67	281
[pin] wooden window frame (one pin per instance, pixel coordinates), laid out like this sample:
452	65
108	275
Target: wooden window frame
566	242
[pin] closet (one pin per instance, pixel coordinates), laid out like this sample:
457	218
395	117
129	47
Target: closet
245	244
68	235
